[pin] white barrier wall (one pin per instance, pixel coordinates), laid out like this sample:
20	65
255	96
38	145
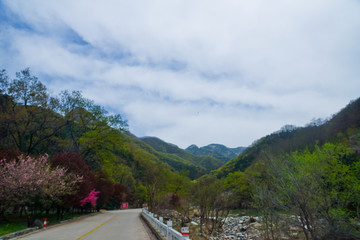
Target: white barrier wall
165	229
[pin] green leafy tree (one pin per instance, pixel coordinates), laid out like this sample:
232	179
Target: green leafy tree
28	90
4	81
213	203
119	173
91	131
238	183
318	186
140	194
27	115
265	178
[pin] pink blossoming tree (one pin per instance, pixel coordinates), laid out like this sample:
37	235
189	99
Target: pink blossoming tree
29	180
91	199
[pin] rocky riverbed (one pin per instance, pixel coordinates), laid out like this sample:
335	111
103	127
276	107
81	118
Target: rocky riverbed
235	227
240	227
243	227
251	228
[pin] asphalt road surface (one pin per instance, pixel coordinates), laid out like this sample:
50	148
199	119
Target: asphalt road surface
120	224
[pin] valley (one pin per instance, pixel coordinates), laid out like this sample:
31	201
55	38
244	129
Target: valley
310	172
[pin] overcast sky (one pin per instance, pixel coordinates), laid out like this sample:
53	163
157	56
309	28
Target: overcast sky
192	71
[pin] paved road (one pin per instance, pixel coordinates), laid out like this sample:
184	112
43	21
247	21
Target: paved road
121	224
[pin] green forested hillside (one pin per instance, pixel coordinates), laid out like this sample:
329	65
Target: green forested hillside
342	125
312	173
76	132
172	151
175	163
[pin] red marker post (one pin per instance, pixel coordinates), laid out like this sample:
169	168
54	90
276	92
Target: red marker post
185	232
44	223
124	206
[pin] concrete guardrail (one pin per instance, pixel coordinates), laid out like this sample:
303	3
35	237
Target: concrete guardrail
166	230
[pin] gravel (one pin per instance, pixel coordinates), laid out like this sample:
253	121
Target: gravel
244	227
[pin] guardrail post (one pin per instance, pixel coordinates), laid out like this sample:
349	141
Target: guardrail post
185	232
169	226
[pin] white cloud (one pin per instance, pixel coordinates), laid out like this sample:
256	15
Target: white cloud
195	71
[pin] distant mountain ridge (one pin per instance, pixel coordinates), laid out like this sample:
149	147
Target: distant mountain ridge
180	159
218	151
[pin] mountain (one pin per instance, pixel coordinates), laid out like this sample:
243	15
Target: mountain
343	125
179	156
218	151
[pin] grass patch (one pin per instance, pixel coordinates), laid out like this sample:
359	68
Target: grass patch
13	223
11	227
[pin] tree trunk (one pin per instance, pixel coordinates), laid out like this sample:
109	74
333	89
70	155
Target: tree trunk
58	213
28	218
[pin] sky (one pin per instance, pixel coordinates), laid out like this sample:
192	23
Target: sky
192	71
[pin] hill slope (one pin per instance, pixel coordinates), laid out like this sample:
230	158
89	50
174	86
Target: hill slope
181	156
346	122
174	162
